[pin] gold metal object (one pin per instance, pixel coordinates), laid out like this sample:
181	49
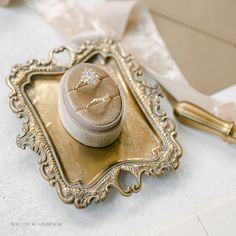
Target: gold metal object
197	117
95	101
81	174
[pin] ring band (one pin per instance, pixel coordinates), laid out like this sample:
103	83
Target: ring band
95	101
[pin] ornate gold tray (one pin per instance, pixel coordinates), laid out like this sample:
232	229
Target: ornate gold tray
79	173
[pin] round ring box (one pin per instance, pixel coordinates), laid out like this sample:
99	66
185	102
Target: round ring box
91	105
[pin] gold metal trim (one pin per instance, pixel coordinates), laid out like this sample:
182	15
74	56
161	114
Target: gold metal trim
165	156
195	116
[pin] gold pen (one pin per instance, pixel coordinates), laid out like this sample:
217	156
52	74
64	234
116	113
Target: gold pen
197	117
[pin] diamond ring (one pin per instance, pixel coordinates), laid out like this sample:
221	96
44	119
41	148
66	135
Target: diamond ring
89	76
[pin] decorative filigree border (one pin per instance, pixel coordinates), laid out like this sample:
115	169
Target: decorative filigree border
165	157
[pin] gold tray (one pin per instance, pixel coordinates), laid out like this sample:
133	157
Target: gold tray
81	174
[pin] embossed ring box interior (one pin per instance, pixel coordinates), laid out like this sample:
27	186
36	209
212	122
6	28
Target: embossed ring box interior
91	105
147	143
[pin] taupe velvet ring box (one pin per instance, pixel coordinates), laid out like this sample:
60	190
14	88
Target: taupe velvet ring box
91	105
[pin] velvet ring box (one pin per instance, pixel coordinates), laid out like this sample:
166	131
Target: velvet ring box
91	105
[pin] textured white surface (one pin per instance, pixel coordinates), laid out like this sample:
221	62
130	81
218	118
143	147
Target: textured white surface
192	227
220	220
205	177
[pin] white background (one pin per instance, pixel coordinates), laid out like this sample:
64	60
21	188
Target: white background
206	176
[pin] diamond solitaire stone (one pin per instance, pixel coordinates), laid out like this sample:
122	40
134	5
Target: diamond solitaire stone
89	76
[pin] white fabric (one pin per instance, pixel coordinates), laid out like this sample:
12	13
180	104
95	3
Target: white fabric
206	176
131	23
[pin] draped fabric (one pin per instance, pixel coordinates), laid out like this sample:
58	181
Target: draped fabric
131	24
